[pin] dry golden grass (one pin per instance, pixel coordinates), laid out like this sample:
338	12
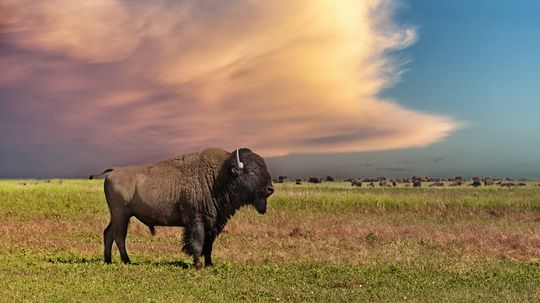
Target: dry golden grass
282	236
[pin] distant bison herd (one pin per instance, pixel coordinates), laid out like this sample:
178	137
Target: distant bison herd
415	181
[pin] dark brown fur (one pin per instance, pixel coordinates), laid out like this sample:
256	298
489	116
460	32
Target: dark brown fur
199	191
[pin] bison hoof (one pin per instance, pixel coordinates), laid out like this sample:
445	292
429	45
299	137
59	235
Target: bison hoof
198	266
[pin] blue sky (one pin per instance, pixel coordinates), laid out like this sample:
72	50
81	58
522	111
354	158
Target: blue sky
478	62
477	59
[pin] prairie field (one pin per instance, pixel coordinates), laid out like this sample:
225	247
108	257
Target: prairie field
325	242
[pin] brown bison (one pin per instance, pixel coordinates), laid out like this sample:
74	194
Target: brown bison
199	191
356	182
315	180
420	178
476	183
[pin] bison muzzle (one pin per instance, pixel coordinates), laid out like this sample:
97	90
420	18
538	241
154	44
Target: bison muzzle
198	191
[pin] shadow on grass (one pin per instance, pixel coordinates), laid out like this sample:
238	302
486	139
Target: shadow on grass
74	260
172	263
98	260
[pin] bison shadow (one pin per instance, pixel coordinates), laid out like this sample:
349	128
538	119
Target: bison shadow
174	263
74	260
99	260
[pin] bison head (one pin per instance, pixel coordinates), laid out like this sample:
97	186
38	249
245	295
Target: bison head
250	179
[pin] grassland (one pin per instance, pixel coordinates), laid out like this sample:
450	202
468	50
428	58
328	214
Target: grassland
318	242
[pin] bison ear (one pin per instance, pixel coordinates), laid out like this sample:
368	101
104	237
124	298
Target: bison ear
235	170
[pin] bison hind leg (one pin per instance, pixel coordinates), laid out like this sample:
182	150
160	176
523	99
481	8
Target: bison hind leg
108	241
120	226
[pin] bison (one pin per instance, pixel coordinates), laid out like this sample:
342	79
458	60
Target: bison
198	191
315	180
420	178
476	183
356	182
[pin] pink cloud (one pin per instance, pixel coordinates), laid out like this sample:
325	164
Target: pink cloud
159	78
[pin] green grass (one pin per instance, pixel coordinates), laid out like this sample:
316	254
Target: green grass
339	196
77	278
317	243
29	198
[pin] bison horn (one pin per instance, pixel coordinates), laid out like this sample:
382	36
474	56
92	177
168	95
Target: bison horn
240	164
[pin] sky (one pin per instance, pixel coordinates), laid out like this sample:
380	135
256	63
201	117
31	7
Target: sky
350	88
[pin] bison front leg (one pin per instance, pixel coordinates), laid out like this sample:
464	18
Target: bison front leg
207	248
194	241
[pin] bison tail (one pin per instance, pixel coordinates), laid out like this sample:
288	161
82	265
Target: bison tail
152	229
104	172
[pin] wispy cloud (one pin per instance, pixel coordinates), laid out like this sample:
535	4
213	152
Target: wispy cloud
143	78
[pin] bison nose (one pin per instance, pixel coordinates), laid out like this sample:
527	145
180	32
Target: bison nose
270	190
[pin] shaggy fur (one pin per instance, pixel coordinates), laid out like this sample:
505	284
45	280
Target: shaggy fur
199	191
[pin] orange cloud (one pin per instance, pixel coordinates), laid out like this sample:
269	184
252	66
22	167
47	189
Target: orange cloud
278	76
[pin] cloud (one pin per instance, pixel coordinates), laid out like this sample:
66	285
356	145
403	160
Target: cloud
144	79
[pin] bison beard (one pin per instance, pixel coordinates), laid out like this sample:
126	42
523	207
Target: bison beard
199	191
